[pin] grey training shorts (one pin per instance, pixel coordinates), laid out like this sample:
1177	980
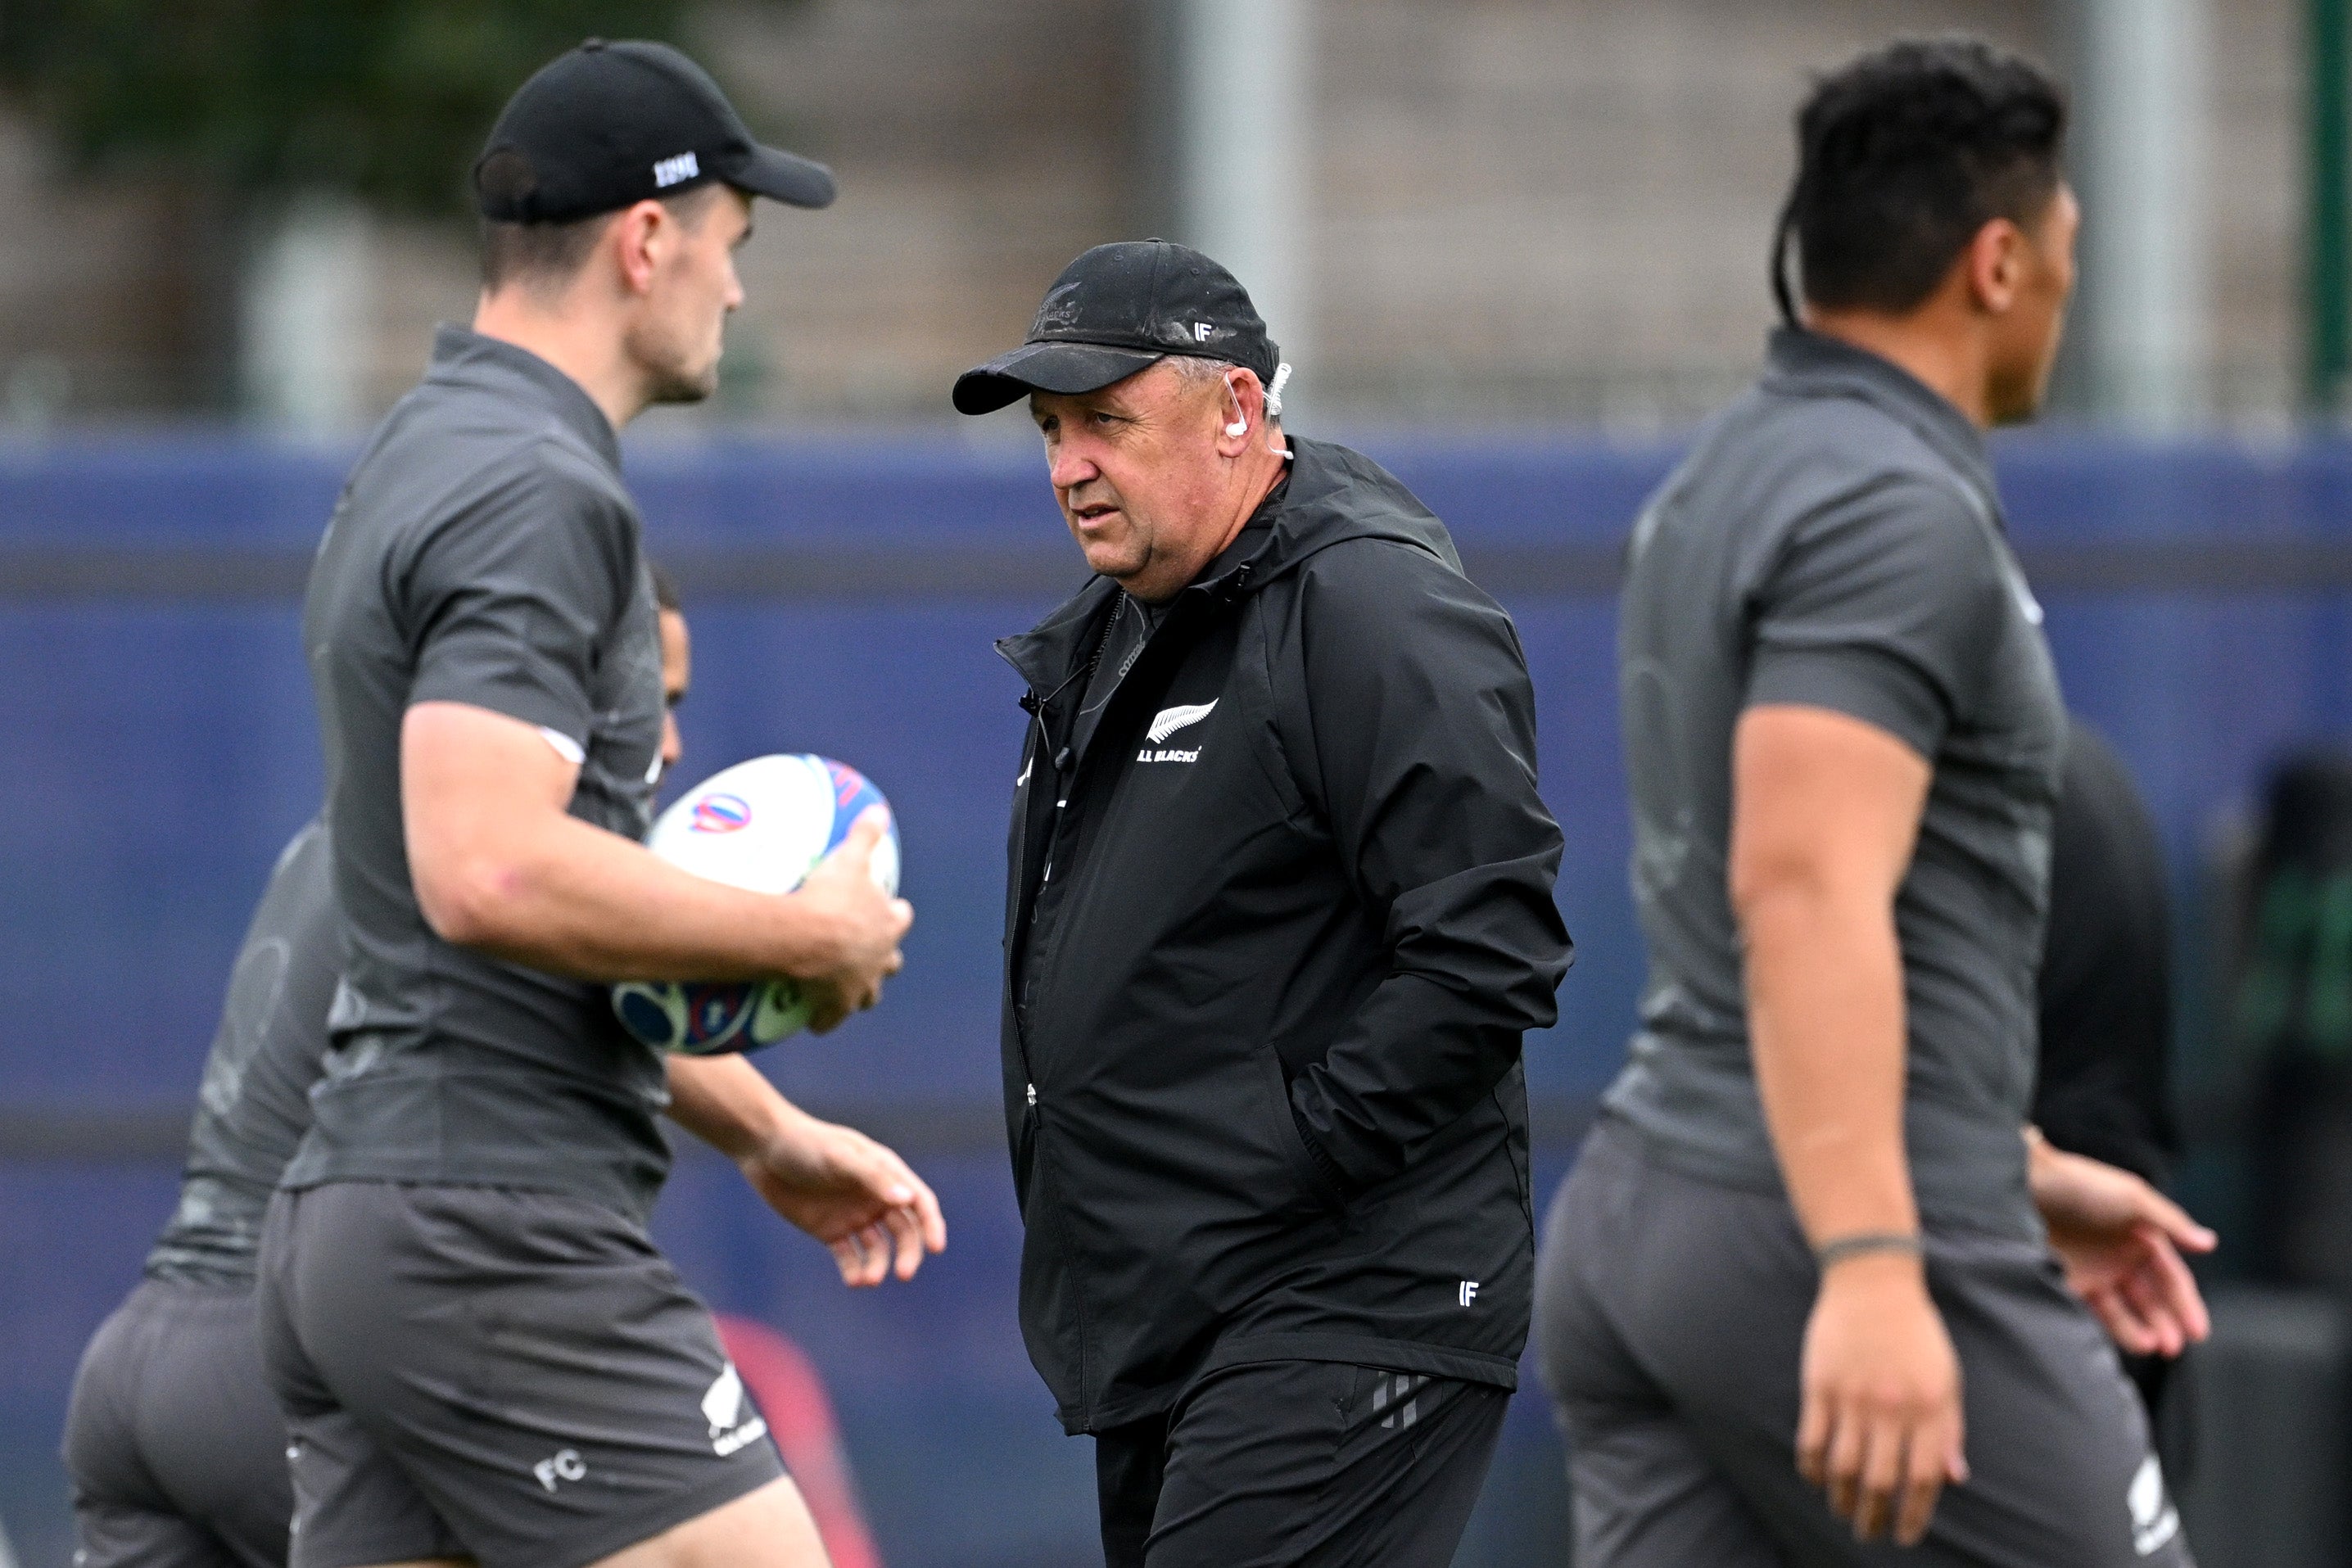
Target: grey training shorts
176	1449
1670	1314
516	1377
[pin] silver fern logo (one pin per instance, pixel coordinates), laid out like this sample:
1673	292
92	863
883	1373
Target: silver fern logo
733	1426
1171	720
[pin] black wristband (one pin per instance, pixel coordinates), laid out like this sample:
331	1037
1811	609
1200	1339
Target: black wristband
1839	1249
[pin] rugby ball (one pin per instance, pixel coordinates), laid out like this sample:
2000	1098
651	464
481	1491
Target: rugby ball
760	825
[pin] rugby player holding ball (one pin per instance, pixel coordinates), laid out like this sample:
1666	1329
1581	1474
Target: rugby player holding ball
481	1354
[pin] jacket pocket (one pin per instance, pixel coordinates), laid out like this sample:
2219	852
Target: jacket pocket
1313	1185
1025	1151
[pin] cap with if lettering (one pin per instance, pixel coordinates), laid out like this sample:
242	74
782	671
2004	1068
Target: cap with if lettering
606	125
1120	308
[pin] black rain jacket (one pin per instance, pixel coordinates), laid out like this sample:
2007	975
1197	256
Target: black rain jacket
1261	1065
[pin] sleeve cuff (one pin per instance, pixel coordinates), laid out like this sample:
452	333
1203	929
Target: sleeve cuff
564	724
1877	687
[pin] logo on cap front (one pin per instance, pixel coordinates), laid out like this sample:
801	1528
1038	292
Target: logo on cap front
675	171
1060	310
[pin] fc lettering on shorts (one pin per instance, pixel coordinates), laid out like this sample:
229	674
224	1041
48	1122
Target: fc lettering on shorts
563	1464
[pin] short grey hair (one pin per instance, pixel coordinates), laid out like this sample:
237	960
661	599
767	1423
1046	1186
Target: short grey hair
1195	370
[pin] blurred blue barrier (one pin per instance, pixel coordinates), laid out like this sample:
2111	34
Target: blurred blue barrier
844	600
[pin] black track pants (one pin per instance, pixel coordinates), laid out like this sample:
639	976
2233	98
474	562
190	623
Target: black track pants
1299	1462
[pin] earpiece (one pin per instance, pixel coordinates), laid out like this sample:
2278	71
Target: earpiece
1239	427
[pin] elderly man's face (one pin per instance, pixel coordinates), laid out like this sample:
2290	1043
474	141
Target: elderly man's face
1136	469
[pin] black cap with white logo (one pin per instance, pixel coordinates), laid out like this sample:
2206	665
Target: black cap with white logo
609	124
1120	308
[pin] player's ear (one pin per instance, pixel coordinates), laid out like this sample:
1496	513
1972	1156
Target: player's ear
1995	261
634	239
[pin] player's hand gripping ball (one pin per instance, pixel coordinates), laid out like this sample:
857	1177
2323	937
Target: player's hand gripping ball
761	825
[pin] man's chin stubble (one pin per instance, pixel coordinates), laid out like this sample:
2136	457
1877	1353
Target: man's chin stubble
678	389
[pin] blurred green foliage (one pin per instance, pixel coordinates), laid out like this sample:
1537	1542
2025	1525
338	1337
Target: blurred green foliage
387	100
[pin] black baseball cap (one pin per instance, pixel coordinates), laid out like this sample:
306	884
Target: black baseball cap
1118	310
606	125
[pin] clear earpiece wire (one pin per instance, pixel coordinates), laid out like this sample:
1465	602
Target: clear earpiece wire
1274	404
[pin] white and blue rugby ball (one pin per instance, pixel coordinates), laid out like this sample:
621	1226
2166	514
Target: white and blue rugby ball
760	825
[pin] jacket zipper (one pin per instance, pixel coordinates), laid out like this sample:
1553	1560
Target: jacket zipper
1062	786
1035	705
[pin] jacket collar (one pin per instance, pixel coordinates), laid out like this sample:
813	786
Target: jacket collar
468	360
1047	655
1801	364
1333	494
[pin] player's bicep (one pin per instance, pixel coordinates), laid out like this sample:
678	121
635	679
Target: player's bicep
473	784
1823	806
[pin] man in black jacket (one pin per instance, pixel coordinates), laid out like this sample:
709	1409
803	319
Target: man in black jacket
1280	908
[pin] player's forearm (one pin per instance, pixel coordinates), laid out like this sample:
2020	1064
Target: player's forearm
725	1102
2048	1169
1825	1020
560	894
498	864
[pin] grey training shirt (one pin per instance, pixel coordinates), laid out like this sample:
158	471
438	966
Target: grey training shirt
254	1103
485	552
1834	540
